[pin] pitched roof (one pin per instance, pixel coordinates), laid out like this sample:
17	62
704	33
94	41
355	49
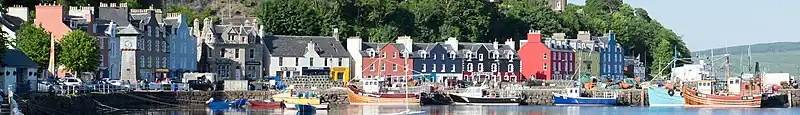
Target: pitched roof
16	58
369	45
558	45
295	46
12	22
503	49
117	14
128	30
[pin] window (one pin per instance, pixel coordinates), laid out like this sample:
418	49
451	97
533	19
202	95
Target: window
480	67
452	56
141	62
443	67
310	61
434	57
222	53
394	67
158	63
510	67
340	61
149	45
383	67
297	61
163	46
433	68
371	67
164	61
383	55
469	66
326	61
545	56
452	67
480	57
236	53
545	66
443	57
149	62
394	55
280	61
424	67
252	53
494	67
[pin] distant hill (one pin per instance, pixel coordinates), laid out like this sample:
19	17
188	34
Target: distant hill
778	57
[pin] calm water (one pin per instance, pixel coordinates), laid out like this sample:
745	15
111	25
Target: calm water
477	110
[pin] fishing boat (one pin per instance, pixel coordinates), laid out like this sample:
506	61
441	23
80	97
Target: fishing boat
372	87
435	98
572	97
477	96
225	104
265	103
664	96
305	108
302	98
703	94
368	100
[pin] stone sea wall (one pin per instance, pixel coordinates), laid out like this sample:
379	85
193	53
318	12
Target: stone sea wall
633	97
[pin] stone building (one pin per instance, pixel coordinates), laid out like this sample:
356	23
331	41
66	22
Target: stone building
232	51
144	49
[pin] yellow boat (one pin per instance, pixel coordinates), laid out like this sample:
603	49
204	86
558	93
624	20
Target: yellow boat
290	101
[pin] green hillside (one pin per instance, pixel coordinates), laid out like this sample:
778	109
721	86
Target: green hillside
779	57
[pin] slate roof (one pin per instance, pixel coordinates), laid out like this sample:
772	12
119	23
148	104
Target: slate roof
503	49
12	22
16	58
375	46
295	46
128	30
117	14
558	45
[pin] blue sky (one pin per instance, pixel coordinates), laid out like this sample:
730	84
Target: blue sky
707	24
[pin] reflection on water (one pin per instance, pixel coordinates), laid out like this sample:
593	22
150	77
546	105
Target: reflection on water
471	110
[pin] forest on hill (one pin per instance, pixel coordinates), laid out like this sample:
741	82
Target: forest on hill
473	21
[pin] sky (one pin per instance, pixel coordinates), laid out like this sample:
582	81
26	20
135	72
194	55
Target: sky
707	24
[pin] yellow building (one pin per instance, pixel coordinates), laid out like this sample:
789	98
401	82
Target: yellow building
341	74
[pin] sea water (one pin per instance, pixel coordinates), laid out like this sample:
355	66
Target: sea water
473	110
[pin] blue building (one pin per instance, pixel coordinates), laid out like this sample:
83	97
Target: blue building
436	61
182	46
611	58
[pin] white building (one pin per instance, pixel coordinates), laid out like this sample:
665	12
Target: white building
307	55
19	71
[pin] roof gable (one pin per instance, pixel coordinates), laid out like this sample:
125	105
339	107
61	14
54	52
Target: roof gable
296	46
16	58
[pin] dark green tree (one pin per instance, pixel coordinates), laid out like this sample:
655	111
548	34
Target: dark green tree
34	41
79	53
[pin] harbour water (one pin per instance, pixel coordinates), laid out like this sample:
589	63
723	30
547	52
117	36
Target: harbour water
474	110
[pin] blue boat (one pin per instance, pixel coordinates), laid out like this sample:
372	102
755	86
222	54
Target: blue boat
659	97
305	108
572	97
226	104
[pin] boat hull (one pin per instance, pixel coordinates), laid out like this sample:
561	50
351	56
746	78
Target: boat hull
562	100
435	99
265	104
775	101
219	104
384	95
661	97
359	99
693	99
459	99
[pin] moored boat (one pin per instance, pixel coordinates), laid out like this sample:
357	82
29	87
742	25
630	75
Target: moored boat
702	96
264	103
366	100
572	97
302	99
435	98
773	99
476	96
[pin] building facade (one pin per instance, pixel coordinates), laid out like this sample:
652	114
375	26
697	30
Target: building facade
108	20
231	51
587	54
307	55
390	62
147	60
18	72
50	17
182	46
562	61
484	62
611	60
437	62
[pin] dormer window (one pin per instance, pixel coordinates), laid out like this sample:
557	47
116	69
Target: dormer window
383	55
452	56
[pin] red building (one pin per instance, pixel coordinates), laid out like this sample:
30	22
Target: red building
386	61
546	59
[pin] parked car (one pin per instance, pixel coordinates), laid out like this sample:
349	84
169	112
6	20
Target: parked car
201	85
71	81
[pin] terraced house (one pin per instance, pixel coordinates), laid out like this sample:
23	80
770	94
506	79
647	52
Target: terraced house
611	59
488	61
437	62
390	62
234	51
291	56
182	45
587	54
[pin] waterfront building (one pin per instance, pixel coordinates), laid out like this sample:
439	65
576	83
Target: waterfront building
108	19
18	71
49	17
488	61
547	58
182	45
611	58
144	50
587	54
563	58
390	62
307	56
437	62
12	20
635	67
231	51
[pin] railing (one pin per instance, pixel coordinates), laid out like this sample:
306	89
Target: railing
109	88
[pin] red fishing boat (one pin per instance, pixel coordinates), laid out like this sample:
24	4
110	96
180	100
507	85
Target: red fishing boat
264	103
703	96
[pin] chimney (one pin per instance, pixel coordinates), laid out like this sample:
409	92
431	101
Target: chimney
335	34
311	46
535	36
584	36
453	42
354	45
510	43
495	45
406	41
559	36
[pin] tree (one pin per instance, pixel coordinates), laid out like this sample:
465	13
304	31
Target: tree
662	56
34	41
79	53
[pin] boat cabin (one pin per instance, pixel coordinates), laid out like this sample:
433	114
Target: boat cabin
734	85
473	91
372	85
573	92
705	86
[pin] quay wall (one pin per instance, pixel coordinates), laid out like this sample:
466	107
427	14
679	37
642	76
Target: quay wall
628	97
91	103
